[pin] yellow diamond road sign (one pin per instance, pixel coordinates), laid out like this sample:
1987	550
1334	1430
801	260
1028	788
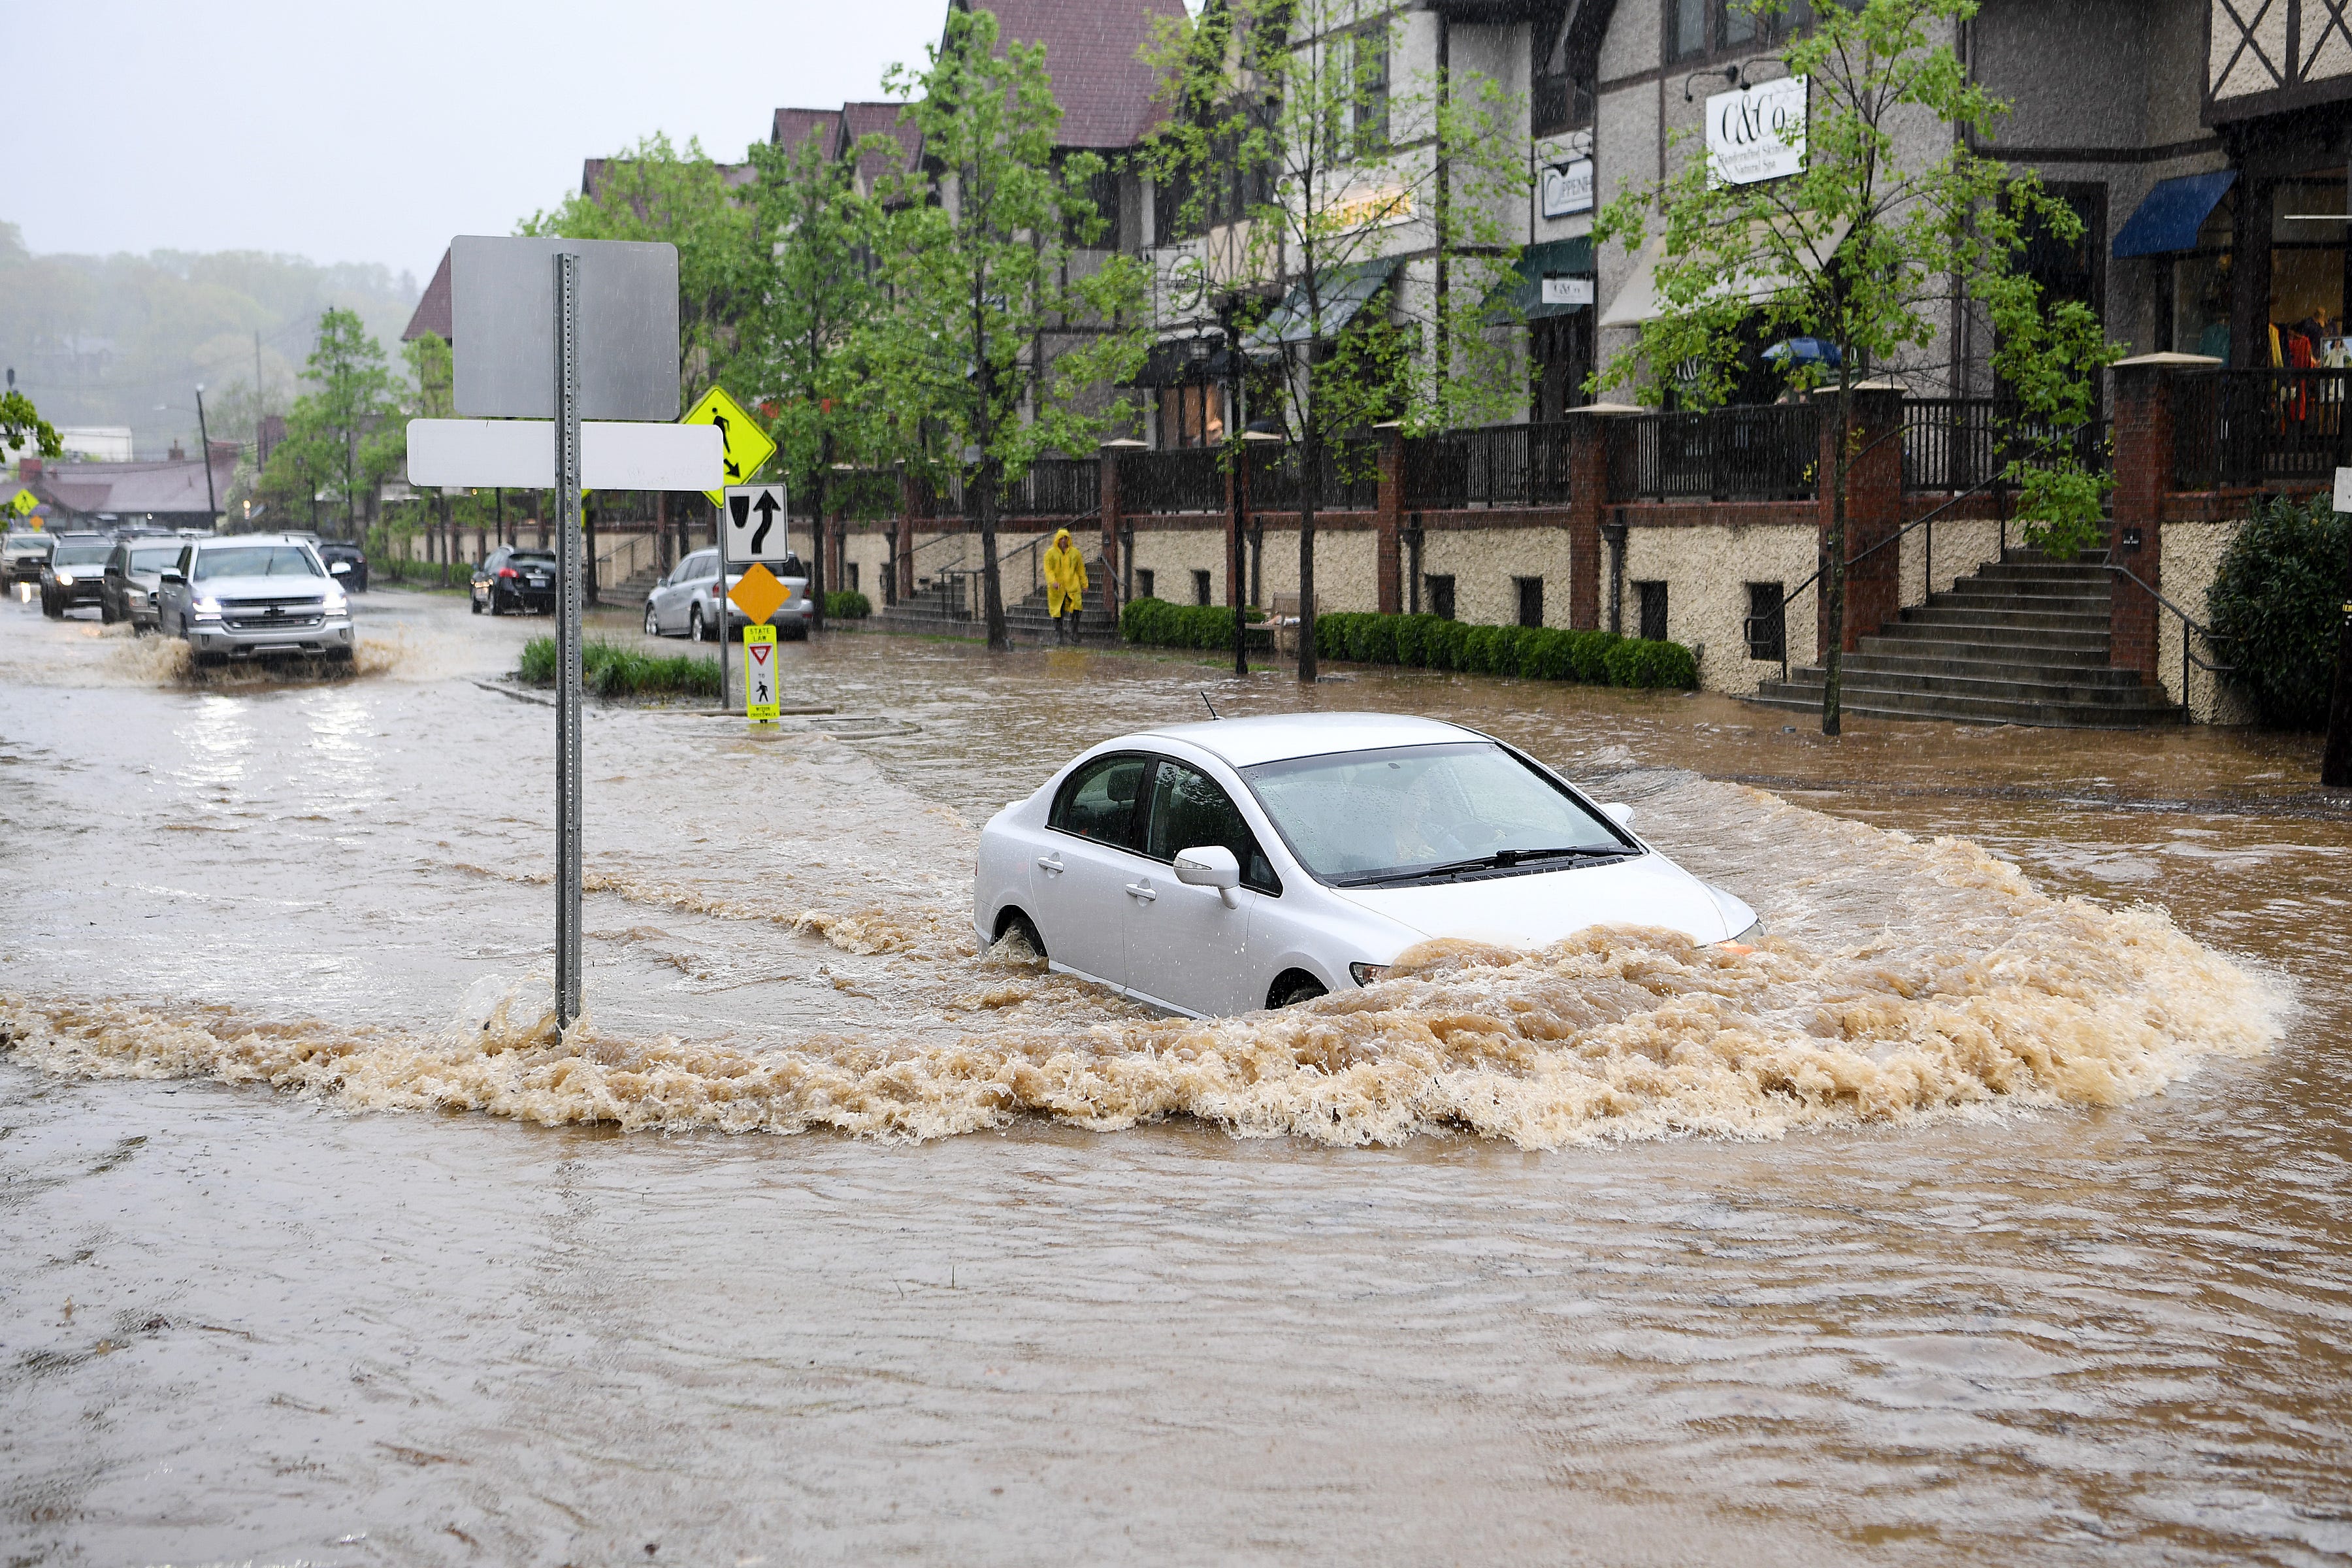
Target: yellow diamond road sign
758	594
746	446
24	501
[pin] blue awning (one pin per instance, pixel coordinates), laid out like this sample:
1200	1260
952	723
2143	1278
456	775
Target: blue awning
2168	219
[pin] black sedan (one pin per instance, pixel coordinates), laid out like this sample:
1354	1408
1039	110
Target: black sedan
509	580
75	572
348	565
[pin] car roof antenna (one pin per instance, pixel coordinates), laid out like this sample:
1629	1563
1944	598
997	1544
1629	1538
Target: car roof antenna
1209	705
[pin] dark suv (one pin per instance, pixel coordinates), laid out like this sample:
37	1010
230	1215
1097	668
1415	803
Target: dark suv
509	580
74	573
347	563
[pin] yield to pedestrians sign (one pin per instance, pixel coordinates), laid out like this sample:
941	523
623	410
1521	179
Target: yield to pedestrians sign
759	673
746	446
756	529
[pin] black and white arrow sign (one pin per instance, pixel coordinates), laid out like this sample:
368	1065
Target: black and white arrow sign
755	526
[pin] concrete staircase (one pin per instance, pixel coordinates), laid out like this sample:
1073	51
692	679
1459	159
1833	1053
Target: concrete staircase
941	610
2023	641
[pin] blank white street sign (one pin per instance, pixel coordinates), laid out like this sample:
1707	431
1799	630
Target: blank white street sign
520	454
756	528
2344	489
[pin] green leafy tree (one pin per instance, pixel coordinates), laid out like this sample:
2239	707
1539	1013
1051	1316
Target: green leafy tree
1302	162
800	347
657	192
1863	249
342	439
981	253
21	425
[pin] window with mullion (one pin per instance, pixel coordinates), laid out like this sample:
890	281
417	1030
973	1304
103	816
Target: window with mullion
1699	27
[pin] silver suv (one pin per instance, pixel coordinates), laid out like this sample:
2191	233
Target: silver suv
251	595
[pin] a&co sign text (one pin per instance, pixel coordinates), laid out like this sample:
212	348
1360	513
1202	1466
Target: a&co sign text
1757	133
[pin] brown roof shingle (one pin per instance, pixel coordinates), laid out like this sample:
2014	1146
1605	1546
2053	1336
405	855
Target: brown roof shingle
1092	50
432	312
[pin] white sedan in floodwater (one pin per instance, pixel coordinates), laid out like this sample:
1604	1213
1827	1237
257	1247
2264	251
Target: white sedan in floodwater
1211	868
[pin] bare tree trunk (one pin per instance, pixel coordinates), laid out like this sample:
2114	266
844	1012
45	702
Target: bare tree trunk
1834	569
992	471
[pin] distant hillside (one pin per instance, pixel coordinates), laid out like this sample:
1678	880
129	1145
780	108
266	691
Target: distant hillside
102	339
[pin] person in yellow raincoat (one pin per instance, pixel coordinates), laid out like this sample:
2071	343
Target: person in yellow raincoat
1065	586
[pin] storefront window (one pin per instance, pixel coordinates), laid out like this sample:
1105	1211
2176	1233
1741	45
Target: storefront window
2308	251
1192	416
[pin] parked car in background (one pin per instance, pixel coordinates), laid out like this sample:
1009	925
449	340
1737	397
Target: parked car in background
70	576
347	564
512	579
690	602
133	577
255	595
26	553
1214	868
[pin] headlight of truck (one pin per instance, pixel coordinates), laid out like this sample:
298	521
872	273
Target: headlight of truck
65	579
206	607
336	602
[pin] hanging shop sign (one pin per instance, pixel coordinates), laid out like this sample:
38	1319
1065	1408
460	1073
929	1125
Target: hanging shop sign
1568	188
1566	289
1757	133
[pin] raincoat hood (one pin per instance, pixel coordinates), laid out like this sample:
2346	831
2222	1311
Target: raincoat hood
1062	537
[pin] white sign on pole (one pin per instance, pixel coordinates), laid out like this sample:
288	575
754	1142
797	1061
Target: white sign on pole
1569	290
1568	188
1757	133
520	454
756	528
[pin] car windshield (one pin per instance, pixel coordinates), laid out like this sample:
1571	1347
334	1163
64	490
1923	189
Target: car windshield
256	561
81	554
154	560
1407	811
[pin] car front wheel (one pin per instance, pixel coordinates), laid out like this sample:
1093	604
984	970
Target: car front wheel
1293	987
695	630
653	623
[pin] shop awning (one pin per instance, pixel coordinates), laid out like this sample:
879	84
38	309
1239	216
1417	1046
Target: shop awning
1637	301
2169	216
1342	291
1560	258
1170	363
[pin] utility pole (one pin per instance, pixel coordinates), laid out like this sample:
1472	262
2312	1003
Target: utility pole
205	440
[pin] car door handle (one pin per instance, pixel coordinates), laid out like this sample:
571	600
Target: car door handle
1050	862
1141	890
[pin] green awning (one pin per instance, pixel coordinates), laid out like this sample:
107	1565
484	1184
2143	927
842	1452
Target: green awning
1557	258
1342	291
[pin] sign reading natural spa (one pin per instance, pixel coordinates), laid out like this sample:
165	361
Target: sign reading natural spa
1757	133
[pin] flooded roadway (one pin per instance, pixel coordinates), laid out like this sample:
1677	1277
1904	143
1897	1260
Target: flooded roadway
1998	1214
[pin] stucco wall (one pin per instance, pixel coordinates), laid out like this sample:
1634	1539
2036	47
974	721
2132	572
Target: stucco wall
1959	546
1707	570
2192	556
1486	562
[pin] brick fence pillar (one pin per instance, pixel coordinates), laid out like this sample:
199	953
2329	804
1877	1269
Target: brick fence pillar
1388	566
1874	511
1588	503
2143	475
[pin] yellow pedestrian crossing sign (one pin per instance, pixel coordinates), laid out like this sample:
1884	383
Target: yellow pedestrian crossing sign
747	446
24	501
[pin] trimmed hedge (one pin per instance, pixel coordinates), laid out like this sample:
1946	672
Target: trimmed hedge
1533	653
2277	603
848	604
1156	623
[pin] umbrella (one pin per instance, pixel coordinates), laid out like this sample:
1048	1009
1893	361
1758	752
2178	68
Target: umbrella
1804	351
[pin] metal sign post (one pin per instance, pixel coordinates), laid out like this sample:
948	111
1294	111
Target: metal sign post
567	639
609	309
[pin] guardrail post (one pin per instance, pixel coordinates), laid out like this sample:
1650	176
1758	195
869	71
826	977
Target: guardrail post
1390	514
2135	539
1588	503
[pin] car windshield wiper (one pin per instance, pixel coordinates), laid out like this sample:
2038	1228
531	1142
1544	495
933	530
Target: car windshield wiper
1500	861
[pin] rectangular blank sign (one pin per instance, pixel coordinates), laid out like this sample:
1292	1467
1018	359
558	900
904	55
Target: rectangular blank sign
502	327
520	454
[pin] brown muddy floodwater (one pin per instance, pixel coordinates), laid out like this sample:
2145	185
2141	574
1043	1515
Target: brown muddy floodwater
1996	1213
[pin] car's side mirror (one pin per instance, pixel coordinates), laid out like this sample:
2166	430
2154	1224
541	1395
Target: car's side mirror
1210	866
1618	812
170	575
340	568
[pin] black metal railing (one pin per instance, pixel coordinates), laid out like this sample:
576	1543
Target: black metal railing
862	494
1053	486
2259	427
1351	476
1960	443
1767	453
1180	479
1489	466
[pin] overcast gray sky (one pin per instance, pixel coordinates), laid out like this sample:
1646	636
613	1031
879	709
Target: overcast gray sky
373	132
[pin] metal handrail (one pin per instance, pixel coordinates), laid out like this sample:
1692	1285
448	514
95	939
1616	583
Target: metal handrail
2187	623
1995	480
